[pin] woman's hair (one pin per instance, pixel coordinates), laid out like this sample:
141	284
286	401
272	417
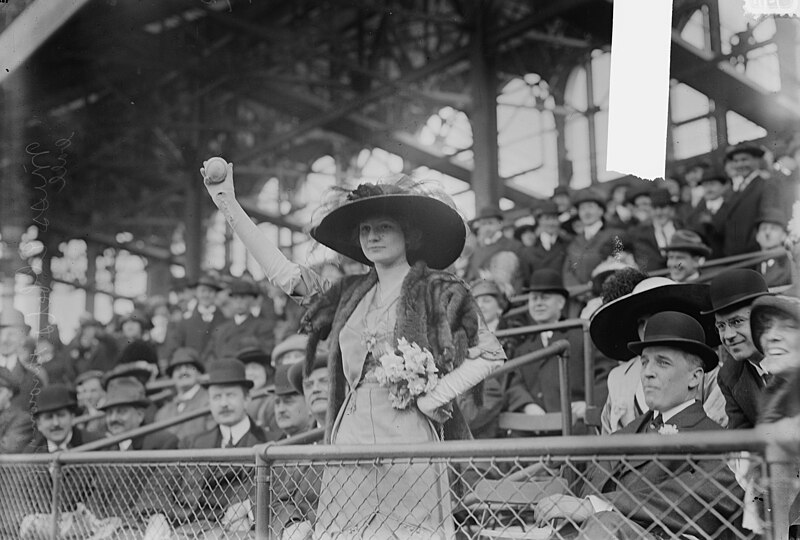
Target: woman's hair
620	283
766	317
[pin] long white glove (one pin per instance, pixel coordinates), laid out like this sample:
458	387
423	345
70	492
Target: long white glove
279	270
455	383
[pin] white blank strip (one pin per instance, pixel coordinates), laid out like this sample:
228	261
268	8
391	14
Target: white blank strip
639	92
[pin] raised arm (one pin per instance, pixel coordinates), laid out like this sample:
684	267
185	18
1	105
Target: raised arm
280	271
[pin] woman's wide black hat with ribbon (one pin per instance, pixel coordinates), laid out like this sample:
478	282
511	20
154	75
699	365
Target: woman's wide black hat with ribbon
442	229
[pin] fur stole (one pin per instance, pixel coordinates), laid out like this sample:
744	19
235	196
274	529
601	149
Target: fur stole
435	310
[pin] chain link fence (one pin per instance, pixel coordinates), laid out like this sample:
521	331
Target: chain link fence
698	485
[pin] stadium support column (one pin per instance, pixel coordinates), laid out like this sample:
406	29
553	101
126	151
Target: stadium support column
483	117
193	217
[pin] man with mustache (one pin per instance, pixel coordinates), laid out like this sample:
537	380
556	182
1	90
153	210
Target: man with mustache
54	413
742	378
185	369
291	411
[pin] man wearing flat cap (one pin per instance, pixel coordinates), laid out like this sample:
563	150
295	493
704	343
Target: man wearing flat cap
201	320
243	328
751	195
584	251
647	500
185	369
686	253
742	379
53	413
16	431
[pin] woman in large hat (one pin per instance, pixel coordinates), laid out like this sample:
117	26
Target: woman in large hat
408	235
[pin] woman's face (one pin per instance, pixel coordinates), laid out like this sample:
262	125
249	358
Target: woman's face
780	341
382	241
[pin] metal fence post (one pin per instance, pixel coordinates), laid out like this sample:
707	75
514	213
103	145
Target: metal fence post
55	476
566	404
782	469
263	498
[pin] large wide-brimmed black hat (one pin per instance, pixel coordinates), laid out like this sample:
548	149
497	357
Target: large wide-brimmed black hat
688	241
733	288
547	280
125	391
764	306
679	330
296	370
443	230
227	371
616	323
55	397
185	356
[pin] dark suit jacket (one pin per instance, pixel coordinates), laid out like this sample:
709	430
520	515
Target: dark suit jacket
192	332
776	271
629	485
648	254
742	387
229	338
701	220
212	438
160	440
16	430
536	257
79	437
583	256
737	217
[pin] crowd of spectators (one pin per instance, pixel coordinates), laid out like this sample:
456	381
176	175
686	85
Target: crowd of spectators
231	345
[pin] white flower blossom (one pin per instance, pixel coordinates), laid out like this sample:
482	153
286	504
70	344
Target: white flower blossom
668	429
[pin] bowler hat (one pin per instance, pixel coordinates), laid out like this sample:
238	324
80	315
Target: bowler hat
138	350
254	354
753	149
763	307
546	208
125	391
140	370
660	197
689	241
90	374
295	342
617	323
7	380
675	329
589	195
442	229
185	356
296	370
139	316
715	177
772	215
243	287
13	318
283	386
547	280
732	288
207	280
227	371
53	398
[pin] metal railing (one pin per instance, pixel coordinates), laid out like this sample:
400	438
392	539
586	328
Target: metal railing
670	485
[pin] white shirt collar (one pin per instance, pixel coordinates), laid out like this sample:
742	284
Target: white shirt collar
675	410
9	362
126	444
53	447
235	432
239	319
189	394
589	231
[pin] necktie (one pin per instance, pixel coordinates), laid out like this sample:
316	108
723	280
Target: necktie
656	423
546	337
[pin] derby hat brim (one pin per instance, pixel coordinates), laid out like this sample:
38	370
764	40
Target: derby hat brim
71	407
696	249
706	353
140	402
196	363
736	302
225	381
443	230
558	290
616	324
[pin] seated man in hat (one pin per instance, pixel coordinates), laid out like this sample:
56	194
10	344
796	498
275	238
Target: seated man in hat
242	329
185	369
13	333
648	500
623	320
291	410
16	431
686	253
93	348
53	414
742	379
534	388
259	369
290	351
89	388
495	256
201	320
771	234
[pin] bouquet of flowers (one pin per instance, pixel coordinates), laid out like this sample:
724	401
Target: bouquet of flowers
408	372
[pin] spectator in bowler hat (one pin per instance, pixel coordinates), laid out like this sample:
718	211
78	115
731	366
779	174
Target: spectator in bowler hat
686	253
202	318
550	246
13	333
125	406
291	410
495	256
185	369
54	412
647	500
716	189
742	379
